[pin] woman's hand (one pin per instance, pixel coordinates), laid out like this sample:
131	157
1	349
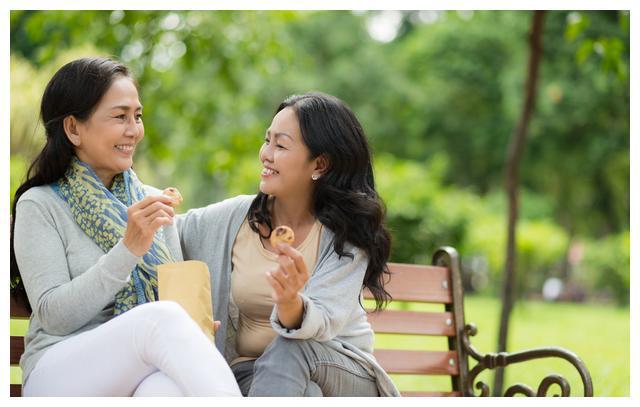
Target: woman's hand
286	283
145	218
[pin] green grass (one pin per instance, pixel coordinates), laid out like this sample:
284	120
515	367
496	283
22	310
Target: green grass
598	334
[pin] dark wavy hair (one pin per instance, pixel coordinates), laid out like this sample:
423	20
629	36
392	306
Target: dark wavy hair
345	199
76	89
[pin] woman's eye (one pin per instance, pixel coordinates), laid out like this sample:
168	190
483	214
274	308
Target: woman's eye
121	117
280	146
138	117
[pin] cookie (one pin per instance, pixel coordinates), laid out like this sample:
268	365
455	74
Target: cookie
281	234
174	194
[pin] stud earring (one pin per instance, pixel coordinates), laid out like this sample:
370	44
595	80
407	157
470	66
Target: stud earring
315	177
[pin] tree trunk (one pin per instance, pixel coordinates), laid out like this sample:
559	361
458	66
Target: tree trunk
514	154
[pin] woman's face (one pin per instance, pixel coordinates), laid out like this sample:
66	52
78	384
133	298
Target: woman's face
287	168
108	139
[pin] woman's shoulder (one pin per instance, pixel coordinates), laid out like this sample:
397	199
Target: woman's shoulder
42	194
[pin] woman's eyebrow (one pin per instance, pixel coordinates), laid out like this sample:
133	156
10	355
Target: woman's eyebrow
278	134
125	107
283	134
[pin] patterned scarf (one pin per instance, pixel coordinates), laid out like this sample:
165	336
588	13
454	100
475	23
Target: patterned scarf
102	214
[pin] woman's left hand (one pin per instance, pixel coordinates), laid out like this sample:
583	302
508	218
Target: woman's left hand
289	278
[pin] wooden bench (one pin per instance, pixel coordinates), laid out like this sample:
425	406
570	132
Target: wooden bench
441	284
436	284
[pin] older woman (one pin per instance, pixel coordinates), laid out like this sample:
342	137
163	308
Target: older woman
86	238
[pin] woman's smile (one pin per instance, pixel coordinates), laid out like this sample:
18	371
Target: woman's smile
125	149
268	172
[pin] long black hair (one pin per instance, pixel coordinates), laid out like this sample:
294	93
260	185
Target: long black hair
345	199
75	90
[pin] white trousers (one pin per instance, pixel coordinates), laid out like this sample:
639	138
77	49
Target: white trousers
155	349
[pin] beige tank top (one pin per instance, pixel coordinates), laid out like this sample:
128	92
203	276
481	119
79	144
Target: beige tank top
252	293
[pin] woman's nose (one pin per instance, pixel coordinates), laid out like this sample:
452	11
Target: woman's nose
265	153
132	129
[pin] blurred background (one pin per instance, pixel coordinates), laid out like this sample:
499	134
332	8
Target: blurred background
439	94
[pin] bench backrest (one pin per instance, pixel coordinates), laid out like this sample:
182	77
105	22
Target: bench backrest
439	283
436	284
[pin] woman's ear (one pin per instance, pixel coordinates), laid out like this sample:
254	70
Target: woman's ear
70	125
322	166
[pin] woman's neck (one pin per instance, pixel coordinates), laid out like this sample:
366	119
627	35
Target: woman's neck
292	213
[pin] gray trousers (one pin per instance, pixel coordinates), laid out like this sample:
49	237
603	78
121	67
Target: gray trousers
294	367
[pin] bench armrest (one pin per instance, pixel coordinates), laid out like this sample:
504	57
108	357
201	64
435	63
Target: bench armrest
502	359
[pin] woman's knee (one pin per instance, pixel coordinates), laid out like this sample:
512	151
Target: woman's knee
287	350
284	345
164	318
162	311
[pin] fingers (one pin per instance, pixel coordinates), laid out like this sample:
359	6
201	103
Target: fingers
278	288
143	214
149	199
150	205
160	221
293	261
144	219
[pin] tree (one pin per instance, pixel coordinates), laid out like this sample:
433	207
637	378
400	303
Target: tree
514	155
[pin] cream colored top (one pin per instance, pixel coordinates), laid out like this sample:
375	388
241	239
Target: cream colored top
252	293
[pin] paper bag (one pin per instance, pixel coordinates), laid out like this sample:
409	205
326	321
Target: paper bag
188	283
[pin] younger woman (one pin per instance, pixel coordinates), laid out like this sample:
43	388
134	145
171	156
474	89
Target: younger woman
292	319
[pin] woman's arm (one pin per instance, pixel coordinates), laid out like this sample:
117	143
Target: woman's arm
62	304
329	298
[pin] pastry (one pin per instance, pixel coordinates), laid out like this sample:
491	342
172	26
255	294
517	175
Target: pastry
175	195
281	234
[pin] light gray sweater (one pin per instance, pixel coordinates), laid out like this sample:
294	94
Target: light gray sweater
71	283
332	312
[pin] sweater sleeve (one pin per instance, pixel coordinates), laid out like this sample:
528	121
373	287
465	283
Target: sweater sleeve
63	304
330	297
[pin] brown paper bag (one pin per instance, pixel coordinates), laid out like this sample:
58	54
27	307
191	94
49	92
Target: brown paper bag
188	283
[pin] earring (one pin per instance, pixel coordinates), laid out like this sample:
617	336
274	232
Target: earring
315	177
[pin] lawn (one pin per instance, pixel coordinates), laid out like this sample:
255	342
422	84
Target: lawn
599	334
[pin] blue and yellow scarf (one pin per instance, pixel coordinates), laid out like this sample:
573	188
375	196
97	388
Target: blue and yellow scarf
102	214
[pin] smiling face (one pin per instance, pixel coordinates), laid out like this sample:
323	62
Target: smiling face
287	167
107	139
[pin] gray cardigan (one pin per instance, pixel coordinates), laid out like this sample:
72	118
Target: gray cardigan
71	283
332	312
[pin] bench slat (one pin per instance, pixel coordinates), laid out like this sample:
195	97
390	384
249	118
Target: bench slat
16	345
410	282
18	310
412	322
417	362
15	390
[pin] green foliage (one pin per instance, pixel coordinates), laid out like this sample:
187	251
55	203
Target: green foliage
541	246
606	267
17	169
438	104
422	213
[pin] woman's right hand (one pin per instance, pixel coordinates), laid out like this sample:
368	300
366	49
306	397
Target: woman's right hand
145	218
